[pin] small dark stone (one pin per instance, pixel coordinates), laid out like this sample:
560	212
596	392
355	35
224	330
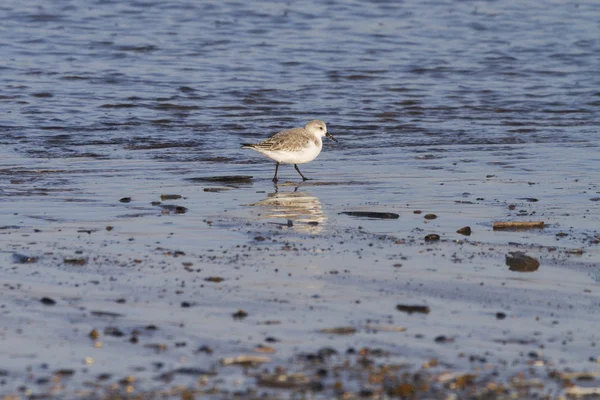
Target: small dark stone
413	308
193	371
239	314
512	206
326	352
164	197
259	238
465	231
180	210
216	279
113	331
185	304
432	237
443	339
65	373
47	301
204	349
75	261
125	199
430	216
529	199
500	315
23	259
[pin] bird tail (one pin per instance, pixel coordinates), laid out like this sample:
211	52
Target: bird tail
247	146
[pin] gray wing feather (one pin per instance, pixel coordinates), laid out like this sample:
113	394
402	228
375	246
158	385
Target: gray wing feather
294	139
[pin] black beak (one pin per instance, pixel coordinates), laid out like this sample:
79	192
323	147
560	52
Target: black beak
330	136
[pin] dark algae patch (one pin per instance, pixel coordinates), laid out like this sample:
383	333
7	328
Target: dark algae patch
223	179
371	214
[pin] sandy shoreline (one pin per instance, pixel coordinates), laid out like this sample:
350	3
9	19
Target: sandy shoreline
163	299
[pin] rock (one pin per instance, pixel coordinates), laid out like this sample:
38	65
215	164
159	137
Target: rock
432	237
341	330
164	197
23	259
413	308
500	315
466	230
239	314
518	261
125	199
47	301
76	261
430	216
216	279
168	208
113	331
443	339
246	360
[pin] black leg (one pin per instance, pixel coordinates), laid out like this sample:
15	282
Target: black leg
303	177
276	168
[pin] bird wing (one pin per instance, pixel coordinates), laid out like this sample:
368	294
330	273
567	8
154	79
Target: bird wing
294	139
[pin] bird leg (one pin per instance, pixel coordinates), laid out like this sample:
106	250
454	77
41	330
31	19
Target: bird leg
275	177
303	177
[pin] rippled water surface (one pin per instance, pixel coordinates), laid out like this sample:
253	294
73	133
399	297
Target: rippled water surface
476	111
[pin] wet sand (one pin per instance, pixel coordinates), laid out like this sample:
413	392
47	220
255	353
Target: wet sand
137	278
130	268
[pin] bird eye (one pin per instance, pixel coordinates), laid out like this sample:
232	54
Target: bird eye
321	128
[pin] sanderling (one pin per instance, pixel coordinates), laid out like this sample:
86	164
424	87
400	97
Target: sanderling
293	146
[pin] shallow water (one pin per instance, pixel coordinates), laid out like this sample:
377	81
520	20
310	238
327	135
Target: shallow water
458	109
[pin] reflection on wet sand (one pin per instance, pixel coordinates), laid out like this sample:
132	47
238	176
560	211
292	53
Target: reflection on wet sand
303	209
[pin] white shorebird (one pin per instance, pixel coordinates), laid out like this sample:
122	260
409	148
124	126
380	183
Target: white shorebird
293	146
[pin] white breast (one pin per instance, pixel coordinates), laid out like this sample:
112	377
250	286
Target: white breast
305	155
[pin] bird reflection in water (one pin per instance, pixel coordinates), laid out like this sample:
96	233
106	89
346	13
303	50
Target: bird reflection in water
304	210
